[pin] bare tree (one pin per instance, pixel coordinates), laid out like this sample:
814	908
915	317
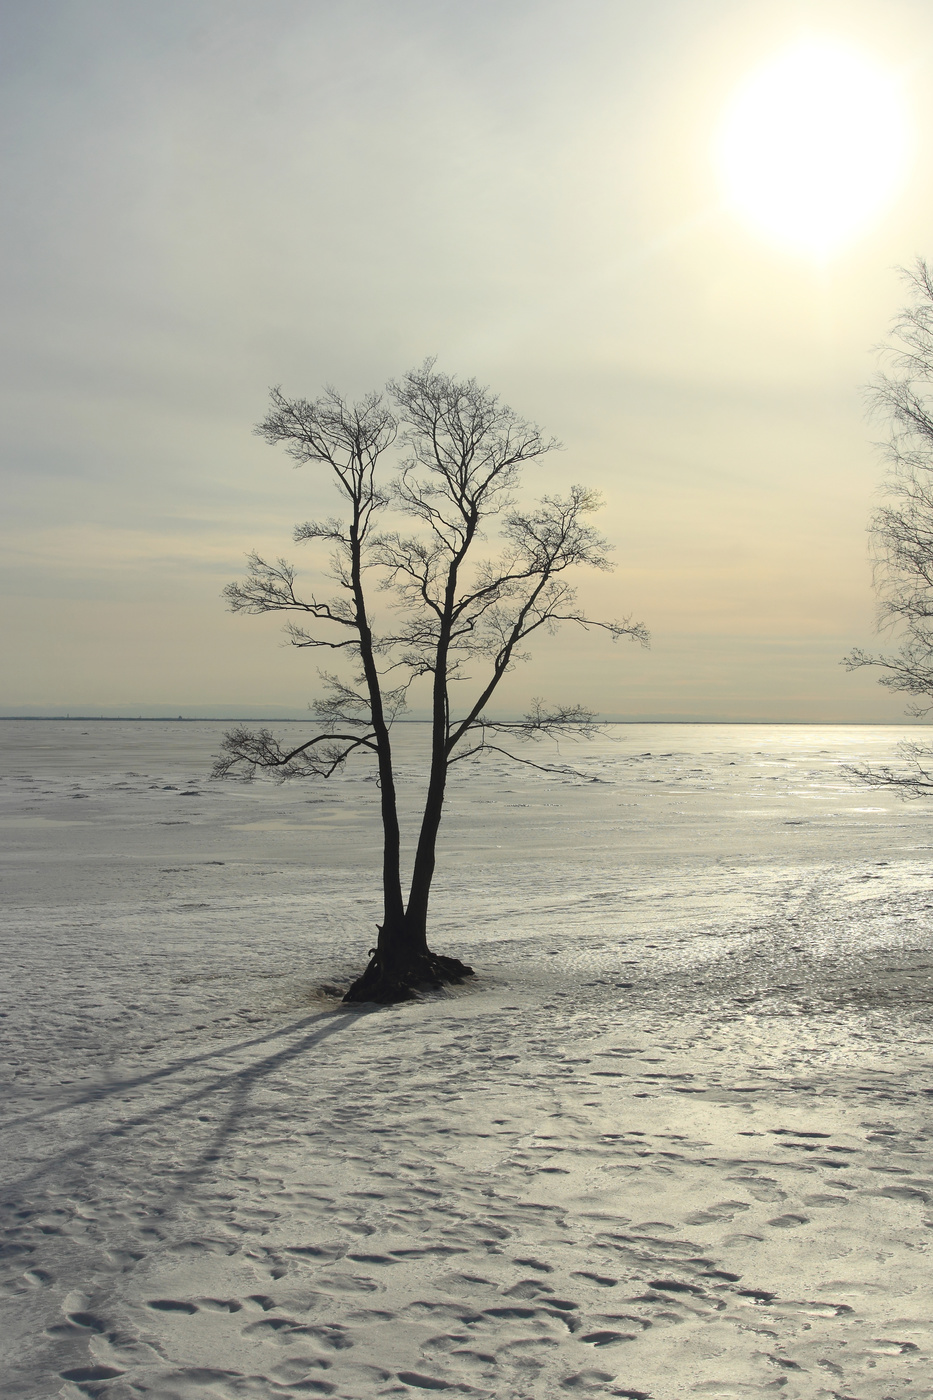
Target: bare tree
902	529
416	533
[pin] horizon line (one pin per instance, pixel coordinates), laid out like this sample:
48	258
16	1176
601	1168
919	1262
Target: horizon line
286	719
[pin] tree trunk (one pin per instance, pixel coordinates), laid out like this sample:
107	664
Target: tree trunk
416	915
393	908
401	964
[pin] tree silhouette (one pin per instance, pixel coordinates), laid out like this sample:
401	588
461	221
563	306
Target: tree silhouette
902	529
416	532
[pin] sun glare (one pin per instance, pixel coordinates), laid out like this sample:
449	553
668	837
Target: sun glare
813	146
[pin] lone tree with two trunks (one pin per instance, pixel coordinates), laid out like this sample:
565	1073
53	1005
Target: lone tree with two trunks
416	533
902	529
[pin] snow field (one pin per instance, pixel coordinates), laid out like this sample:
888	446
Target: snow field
674	1141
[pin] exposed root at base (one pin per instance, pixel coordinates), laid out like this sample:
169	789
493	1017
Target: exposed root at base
405	981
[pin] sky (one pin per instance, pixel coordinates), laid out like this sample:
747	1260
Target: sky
206	198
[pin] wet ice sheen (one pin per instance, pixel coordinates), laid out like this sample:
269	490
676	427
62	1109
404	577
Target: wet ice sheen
673	1142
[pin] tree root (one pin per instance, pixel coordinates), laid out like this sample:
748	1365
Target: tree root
406	977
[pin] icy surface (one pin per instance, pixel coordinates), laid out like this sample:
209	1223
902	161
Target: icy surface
674	1139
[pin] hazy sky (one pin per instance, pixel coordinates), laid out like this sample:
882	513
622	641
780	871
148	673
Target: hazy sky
203	198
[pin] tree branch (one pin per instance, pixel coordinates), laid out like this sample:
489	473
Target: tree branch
271	588
917	781
251	749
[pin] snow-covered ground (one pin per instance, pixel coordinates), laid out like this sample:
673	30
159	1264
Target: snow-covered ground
673	1140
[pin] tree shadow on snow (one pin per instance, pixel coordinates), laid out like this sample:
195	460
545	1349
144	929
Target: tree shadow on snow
238	1083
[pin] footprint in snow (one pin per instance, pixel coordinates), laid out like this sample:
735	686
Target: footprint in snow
88	1321
723	1210
426	1382
606	1339
91	1373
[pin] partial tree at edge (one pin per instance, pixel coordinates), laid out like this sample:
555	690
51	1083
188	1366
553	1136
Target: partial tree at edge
902	529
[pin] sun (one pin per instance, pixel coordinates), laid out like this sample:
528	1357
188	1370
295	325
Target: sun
813	146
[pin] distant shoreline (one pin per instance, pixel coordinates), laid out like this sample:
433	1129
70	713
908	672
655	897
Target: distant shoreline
276	719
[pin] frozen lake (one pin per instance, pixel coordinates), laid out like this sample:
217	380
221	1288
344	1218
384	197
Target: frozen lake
707	945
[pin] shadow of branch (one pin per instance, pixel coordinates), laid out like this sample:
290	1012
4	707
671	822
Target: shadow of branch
240	1081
